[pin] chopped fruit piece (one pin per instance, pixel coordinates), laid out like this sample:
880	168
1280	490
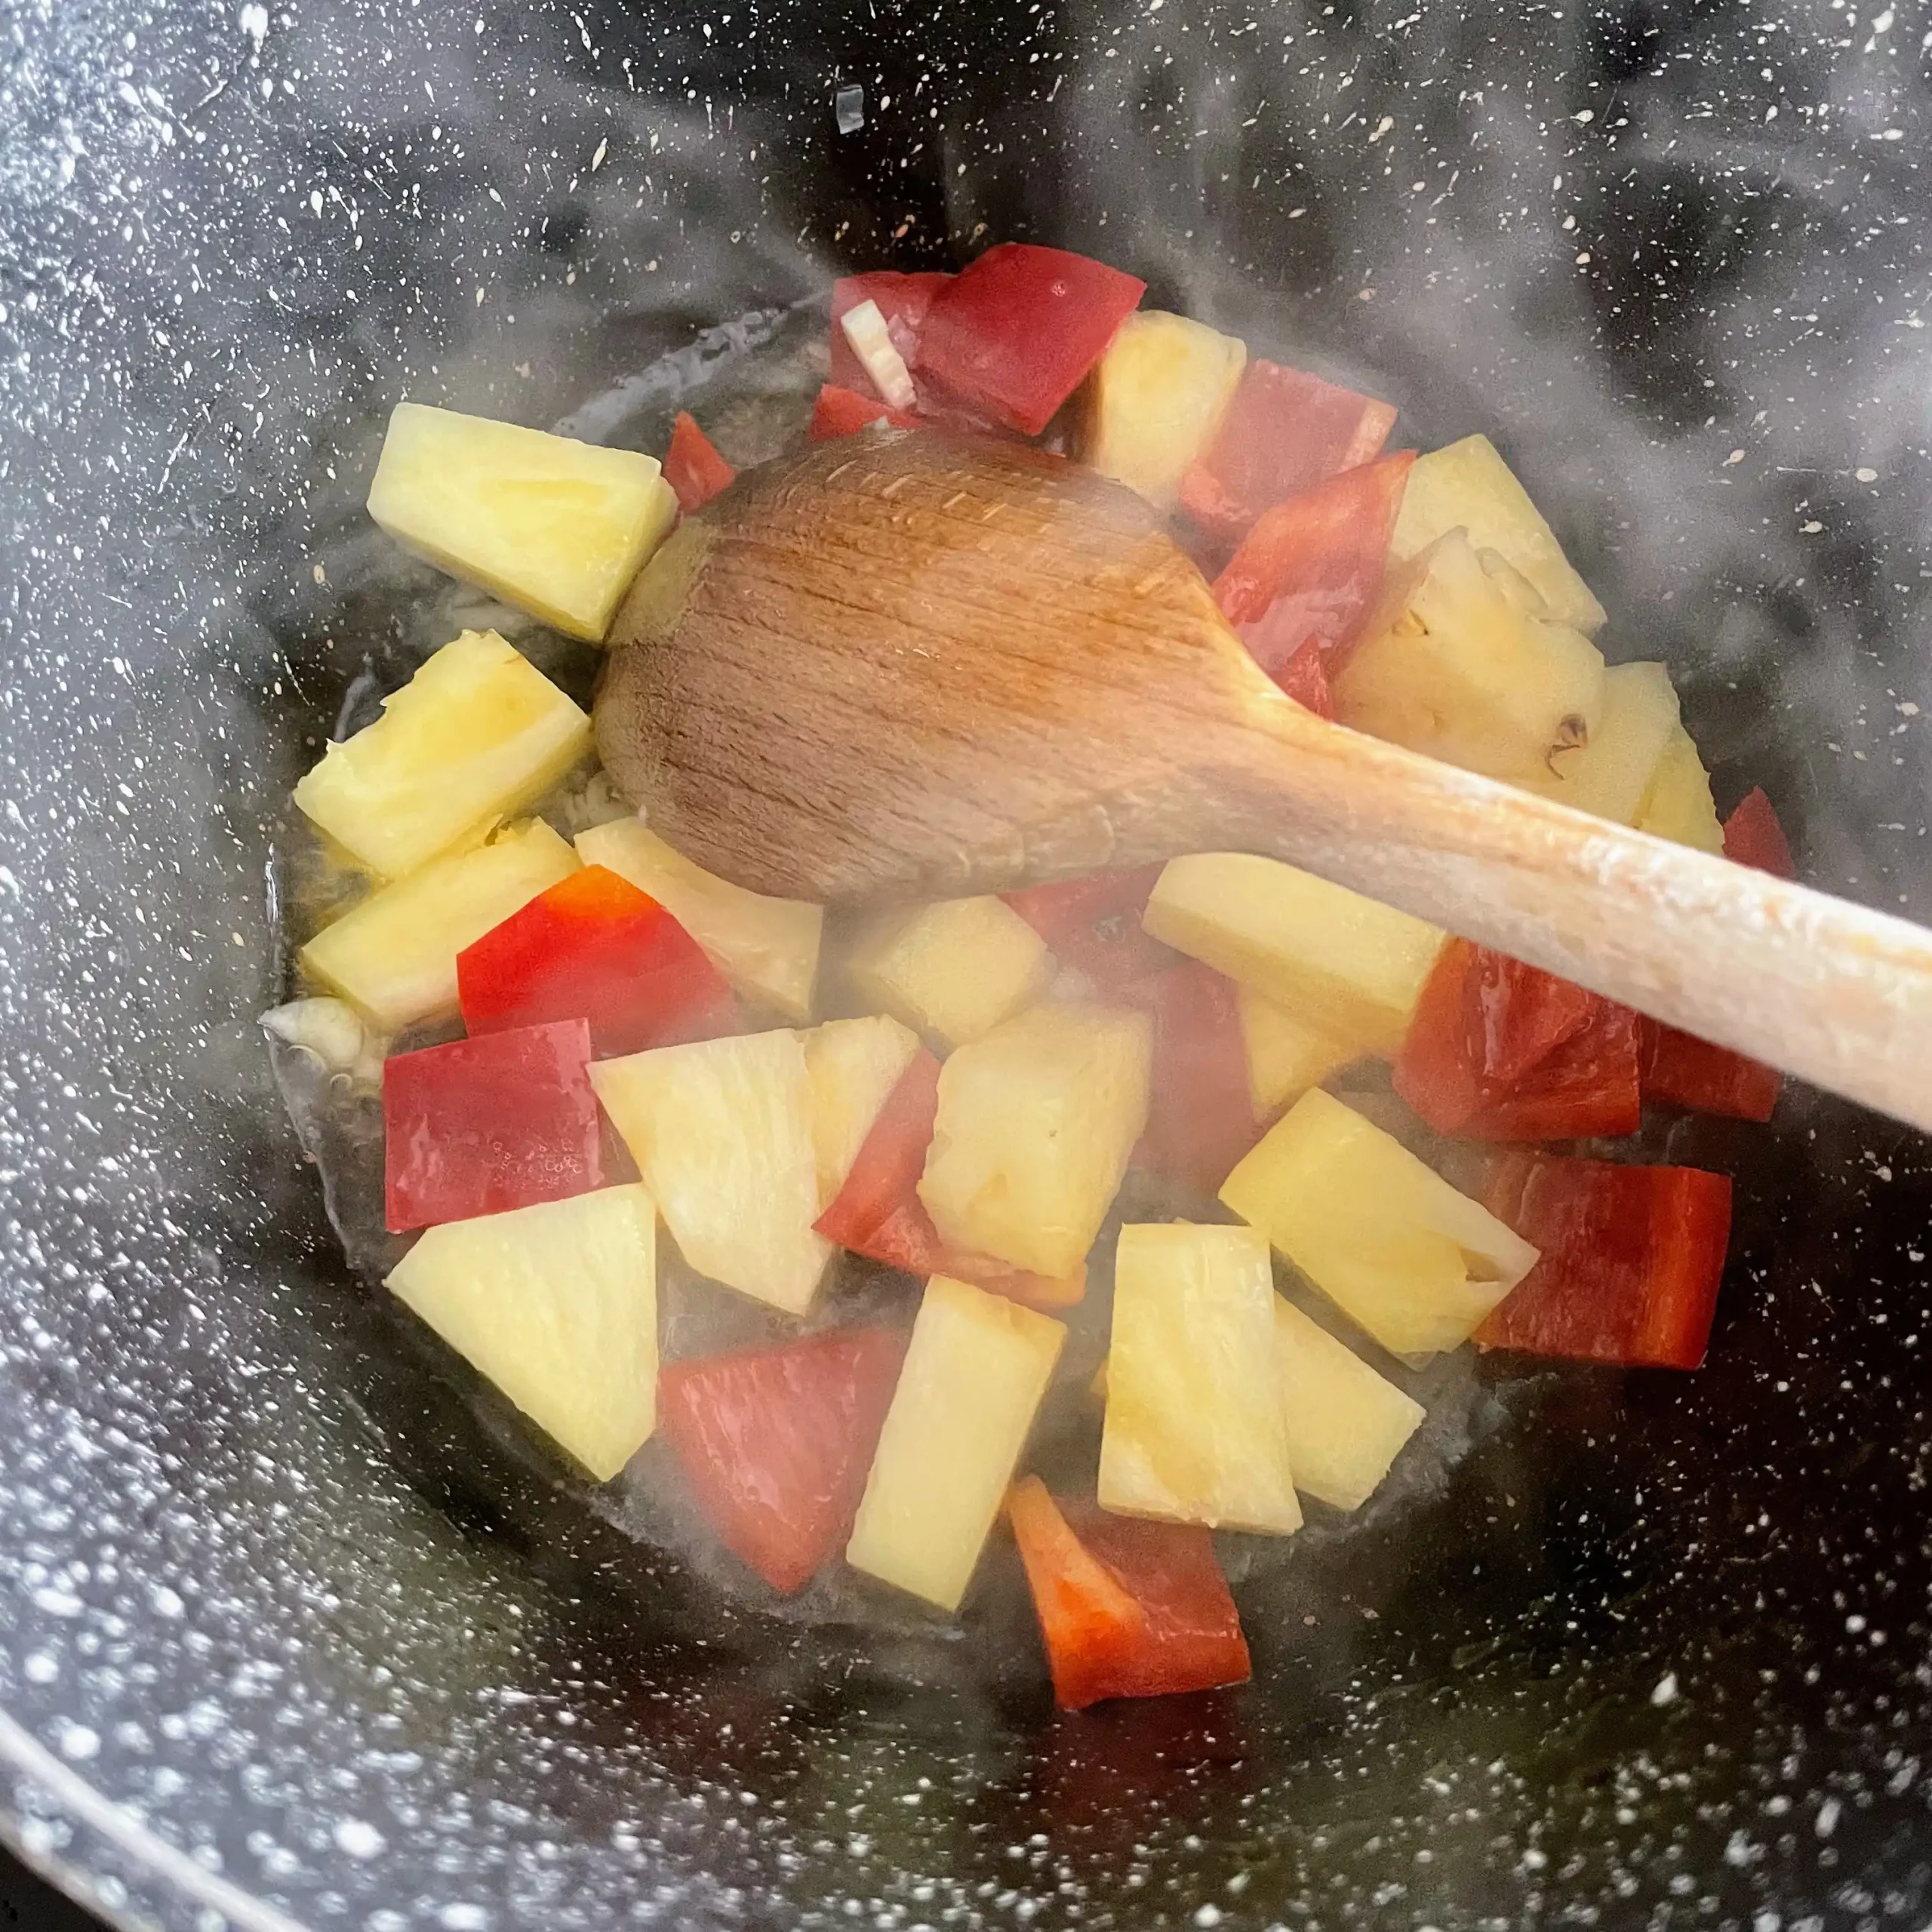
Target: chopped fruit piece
1454	665
692	465
1345	963
557	528
1609	776
767	948
854	1065
1387	1239
1311	570
480	1127
1200	1120
557	1304
721	1132
1500	1051
1678	805
477	733
1752	836
1194	1431
1467	484
774	1443
842	413
903	299
1283	433
1093	924
1682	1071
1156	399
1346	1423
595	948
954	970
394	954
1090	1623
1286	1054
1012	335
1632	1259
973	1376
1036	1121
864	329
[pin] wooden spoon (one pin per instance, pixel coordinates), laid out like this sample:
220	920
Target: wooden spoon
910	666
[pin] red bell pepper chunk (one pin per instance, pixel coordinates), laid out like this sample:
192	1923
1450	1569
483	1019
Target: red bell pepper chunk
1283	431
480	1127
840	413
1752	836
593	947
902	300
1310	570
1011	335
877	1212
1304	676
692	465
1201	1119
775	1442
1499	1051
1093	923
1631	1260
1091	1624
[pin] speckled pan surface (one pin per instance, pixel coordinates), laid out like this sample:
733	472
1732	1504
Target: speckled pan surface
284	1638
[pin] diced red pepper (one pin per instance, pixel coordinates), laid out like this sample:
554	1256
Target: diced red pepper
480	1127
1011	335
1094	923
1631	1260
1093	1627
1201	1119
1304	676
1283	431
1500	1051
593	947
841	413
1752	836
1310	570
902	300
692	465
878	1213
775	1442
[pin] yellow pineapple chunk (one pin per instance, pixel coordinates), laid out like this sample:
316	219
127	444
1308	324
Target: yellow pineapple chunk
1459	661
955	969
721	1132
557	528
767	948
1469	484
1346	1423
1194	1430
1036	1121
393	955
854	1065
1611	775
1155	400
1385	1237
479	733
1678	805
1288	1054
974	1374
557	1304
1348	965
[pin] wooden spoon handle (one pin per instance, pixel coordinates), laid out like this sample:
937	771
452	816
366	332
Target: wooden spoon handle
1835	994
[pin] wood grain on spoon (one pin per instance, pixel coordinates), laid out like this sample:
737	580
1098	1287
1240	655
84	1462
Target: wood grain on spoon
909	666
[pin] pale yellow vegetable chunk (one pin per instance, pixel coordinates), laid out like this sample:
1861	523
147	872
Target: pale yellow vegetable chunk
557	1304
557	528
1287	1054
854	1065
1346	1423
1345	963
954	969
393	955
768	949
721	1132
1156	398
1678	805
1611	775
1035	1123
974	1374
1384	1236
1195	1432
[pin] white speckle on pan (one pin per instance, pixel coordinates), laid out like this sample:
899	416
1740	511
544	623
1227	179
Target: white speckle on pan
1665	1690
357	1838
